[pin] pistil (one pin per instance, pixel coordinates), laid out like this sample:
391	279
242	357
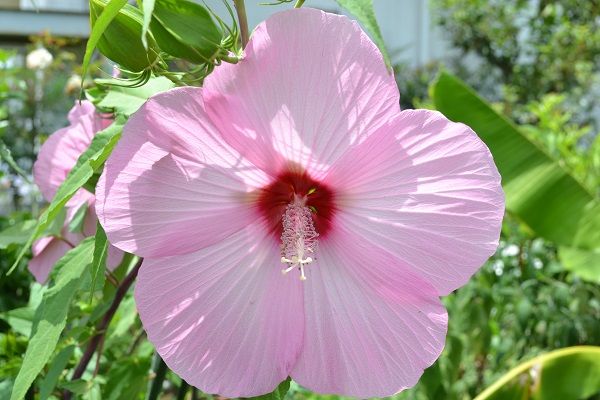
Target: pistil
299	237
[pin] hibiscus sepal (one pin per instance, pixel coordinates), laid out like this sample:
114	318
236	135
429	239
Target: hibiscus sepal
186	30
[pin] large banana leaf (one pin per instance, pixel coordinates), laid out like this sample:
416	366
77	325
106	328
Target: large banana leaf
572	373
539	190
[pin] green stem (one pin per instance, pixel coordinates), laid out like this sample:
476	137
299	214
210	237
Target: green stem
183	389
240	9
173	78
102	327
160	372
229	59
299	3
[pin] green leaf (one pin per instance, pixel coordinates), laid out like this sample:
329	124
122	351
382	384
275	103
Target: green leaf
277	394
99	26
539	191
76	224
94	392
186	30
432	382
19	319
363	11
126	317
568	374
90	161
126	100
127	379
147	8
56	368
585	263
99	259
17	234
5	388
121	39
78	386
51	316
6	155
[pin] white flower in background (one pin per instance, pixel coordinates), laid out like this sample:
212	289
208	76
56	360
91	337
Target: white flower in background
512	250
73	84
39	59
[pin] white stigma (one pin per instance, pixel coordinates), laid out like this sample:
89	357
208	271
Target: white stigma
299	237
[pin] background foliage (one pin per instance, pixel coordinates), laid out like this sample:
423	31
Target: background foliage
535	66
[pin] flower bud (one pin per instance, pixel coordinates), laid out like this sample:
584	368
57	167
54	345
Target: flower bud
122	40
186	30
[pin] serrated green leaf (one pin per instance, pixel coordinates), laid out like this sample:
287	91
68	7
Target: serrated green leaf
277	394
539	191
76	223
6	155
54	371
363	11
99	259
126	100
17	234
98	151
36	293
55	227
51	316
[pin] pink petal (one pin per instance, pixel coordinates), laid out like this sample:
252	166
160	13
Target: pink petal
46	252
155	203
372	325
290	100
60	152
224	318
114	256
85	113
425	189
56	158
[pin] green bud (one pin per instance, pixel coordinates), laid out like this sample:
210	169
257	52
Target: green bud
186	30
122	40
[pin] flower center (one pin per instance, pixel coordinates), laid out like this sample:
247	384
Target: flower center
297	210
299	238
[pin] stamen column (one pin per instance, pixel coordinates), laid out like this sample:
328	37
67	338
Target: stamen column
299	237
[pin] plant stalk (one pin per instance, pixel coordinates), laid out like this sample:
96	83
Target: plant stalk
102	327
160	372
240	9
183	389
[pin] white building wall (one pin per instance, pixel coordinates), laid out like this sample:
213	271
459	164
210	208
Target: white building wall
406	25
74	6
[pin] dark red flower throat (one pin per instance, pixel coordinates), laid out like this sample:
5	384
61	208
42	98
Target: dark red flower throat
274	198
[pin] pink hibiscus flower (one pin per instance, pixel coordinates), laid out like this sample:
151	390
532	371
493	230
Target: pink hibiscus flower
298	159
56	158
